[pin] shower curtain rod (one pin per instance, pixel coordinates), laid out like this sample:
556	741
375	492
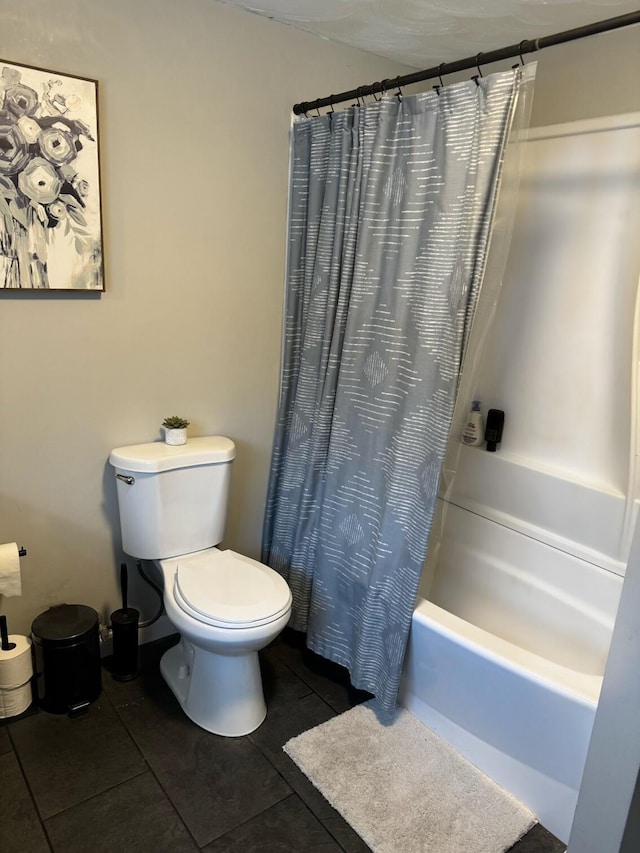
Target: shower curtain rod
510	52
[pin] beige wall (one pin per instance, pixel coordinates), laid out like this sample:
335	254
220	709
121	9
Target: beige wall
195	108
582	79
596	76
195	104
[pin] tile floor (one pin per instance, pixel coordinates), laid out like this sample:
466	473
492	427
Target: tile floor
134	774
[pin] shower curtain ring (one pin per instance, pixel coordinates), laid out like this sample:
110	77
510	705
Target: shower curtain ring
399	94
524	41
476	77
441	86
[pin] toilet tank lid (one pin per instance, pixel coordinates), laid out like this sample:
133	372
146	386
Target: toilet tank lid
157	456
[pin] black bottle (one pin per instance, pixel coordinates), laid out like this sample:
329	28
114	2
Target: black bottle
493	429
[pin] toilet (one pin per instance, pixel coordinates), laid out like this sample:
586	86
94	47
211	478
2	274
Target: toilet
225	606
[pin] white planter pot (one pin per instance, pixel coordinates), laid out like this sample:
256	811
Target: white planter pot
175	436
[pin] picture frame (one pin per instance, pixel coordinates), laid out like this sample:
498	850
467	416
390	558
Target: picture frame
50	199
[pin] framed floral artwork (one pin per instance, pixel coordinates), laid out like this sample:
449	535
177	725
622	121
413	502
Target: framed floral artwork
50	216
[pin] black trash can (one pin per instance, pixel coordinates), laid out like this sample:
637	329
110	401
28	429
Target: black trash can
66	643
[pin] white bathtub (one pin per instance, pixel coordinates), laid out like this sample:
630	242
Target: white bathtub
510	638
505	659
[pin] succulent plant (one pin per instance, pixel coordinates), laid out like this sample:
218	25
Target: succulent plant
175	422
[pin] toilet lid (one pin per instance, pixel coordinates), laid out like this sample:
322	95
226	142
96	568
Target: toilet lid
227	589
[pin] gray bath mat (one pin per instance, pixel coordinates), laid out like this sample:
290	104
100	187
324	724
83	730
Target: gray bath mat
404	790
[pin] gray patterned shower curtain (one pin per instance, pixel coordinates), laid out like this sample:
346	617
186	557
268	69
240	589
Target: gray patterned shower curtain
391	209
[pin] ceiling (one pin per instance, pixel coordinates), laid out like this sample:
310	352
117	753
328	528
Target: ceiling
423	33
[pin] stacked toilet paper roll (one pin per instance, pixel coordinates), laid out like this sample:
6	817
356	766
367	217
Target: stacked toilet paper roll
16	669
10	581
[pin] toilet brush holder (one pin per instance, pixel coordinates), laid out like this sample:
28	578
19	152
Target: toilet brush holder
124	624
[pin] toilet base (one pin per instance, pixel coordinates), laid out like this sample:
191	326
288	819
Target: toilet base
220	693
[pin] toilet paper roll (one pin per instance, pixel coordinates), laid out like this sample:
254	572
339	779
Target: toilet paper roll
16	665
10	581
15	701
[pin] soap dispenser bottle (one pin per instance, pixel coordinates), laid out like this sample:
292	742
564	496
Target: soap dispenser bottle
473	433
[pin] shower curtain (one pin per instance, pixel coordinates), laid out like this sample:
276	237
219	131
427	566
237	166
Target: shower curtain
391	209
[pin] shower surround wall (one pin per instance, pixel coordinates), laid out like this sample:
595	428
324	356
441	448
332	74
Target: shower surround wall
562	358
510	637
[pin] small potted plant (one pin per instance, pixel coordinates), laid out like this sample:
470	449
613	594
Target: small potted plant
175	430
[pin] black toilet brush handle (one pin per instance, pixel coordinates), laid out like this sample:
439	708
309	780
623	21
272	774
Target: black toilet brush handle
124	581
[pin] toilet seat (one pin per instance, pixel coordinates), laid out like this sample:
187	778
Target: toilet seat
229	590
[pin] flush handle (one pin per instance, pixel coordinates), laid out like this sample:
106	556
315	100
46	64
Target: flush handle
128	480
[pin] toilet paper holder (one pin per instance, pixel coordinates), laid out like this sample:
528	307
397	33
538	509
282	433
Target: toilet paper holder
22	552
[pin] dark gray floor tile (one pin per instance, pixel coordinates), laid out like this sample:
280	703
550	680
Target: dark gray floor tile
538	840
215	783
281	725
287	721
20	828
324	677
134	816
287	826
345	835
5	743
68	760
281	685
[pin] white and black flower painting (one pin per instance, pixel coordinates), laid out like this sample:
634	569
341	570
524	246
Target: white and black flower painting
50	224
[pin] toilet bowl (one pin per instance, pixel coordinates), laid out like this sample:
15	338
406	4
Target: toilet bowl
172	502
226	608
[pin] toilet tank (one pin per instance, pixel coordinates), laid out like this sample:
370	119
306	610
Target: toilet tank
172	500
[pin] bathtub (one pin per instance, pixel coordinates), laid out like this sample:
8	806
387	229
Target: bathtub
505	659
